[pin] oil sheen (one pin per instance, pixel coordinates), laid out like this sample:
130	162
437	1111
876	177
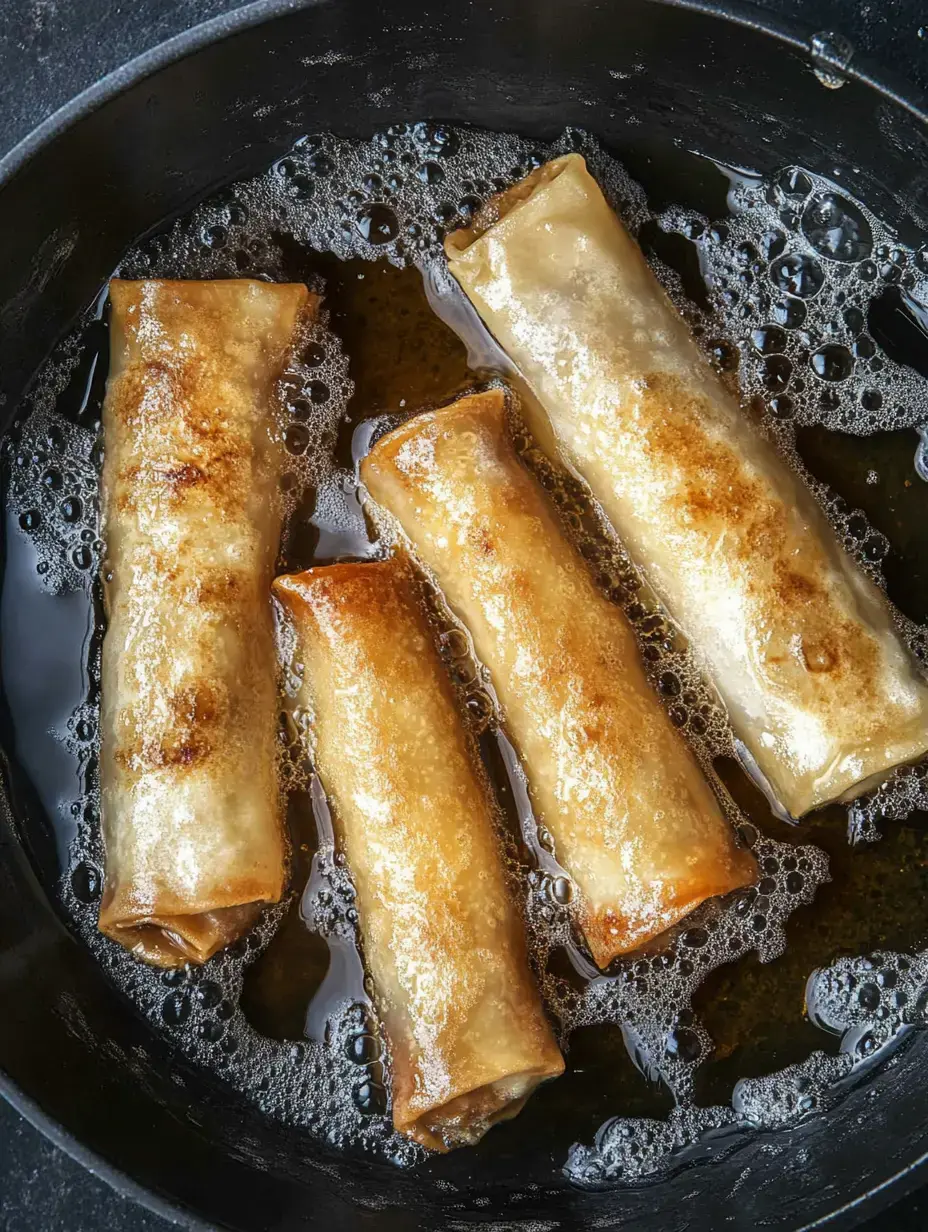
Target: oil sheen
758	1008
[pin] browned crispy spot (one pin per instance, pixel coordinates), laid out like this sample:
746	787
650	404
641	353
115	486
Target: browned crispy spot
793	588
717	488
178	753
197	704
182	475
718	492
223	588
821	656
482	540
374	586
221	481
196	714
159	753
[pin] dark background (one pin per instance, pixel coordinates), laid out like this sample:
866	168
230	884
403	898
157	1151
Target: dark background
50	50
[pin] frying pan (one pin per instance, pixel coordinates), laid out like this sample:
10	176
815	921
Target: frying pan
146	144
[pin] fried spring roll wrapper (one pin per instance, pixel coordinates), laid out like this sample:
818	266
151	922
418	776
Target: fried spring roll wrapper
798	642
193	836
442	940
634	821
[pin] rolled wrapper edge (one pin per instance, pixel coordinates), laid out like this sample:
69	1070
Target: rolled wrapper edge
172	941
465	1119
506	202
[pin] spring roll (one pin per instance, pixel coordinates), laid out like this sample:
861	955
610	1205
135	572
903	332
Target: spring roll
633	820
442	941
192	516
800	645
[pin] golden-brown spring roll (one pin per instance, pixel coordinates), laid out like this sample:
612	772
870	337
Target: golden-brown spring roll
634	821
192	516
798	642
442	940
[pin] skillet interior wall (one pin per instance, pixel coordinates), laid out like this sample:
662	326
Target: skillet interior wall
640	76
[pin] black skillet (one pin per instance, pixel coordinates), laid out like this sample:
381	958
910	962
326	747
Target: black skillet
220	103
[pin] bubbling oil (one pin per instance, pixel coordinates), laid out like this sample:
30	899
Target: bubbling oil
789	296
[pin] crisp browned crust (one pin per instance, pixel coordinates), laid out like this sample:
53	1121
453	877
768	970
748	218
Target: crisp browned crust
442	940
798	642
634	822
192	523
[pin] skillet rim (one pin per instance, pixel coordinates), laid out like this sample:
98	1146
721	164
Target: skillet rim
738	12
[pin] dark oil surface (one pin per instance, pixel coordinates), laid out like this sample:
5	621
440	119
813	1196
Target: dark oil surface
877	900
402	358
280	984
877	475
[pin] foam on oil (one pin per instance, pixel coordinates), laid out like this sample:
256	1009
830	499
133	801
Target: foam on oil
791	283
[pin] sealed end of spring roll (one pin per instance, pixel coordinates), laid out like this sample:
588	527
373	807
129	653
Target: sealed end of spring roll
633	820
442	941
800	645
192	509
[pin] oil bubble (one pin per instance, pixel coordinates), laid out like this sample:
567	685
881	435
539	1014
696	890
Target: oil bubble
321	165
86	882
71	509
771	244
468	207
777	371
832	362
208	994
363	1049
836	228
175	1009
799	274
789	312
212	1031
215	236
782	406
436	139
723	354
454	643
296	438
683	1044
768	340
794	182
371	1097
831	52
854	319
431	173
561	890
695	938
